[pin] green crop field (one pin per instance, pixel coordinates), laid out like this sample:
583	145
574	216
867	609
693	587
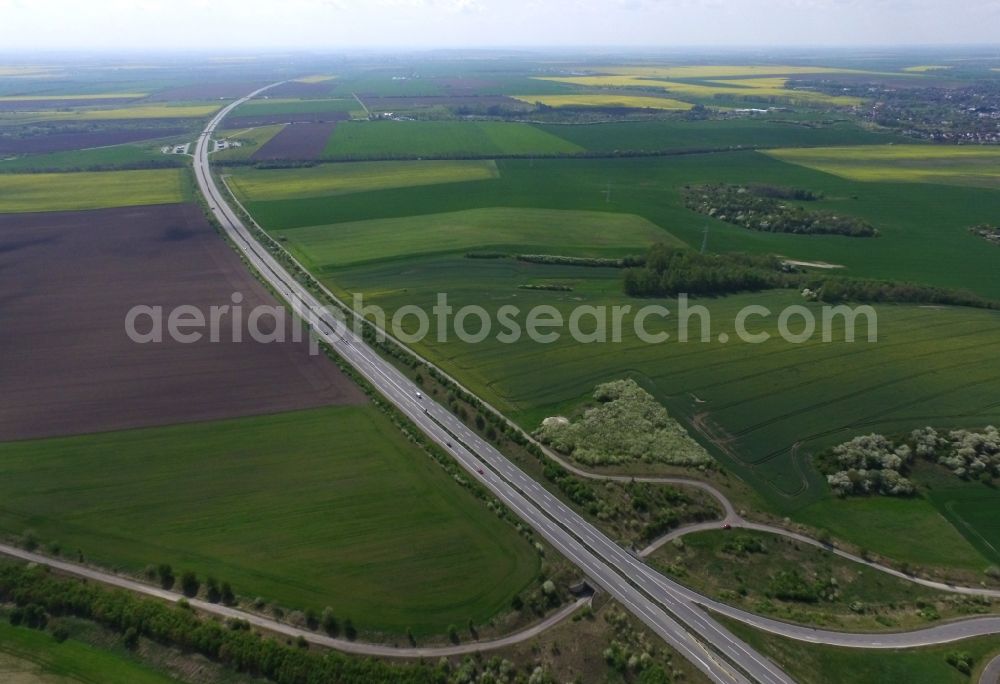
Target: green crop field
114	155
907	530
762	409
141	111
536	231
948	164
91	190
388	139
324	507
924	236
712	134
972	507
254	185
435	175
30	656
975	514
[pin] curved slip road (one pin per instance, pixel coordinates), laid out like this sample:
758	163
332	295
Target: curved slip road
668	608
730	516
747	525
345	645
729	513
943	633
715	651
991	675
733	519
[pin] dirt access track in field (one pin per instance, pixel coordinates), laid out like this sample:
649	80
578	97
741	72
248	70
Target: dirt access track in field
67	365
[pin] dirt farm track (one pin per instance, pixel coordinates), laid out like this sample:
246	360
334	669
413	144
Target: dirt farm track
68	280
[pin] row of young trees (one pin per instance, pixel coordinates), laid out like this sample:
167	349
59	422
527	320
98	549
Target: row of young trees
840	289
559	260
667	271
215	591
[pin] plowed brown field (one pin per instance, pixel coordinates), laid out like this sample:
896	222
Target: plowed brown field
67	365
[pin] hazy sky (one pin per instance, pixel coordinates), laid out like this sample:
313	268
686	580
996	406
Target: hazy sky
332	24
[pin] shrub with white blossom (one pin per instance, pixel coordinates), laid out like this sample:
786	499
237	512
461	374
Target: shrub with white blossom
965	452
871	464
874	464
627	425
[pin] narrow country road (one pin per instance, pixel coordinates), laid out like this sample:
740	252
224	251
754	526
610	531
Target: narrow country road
715	651
345	645
733	519
671	610
991	675
739	522
675	613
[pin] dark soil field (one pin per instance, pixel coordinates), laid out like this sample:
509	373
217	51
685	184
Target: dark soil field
221	90
79	140
239	122
464	86
41	105
388	103
68	367
297	141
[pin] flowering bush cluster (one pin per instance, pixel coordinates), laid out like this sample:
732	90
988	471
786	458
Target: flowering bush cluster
871	464
758	209
964	452
627	425
874	464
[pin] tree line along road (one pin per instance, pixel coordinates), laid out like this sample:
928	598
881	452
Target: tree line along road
672	611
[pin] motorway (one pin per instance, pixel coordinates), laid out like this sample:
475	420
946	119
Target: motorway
671	610
714	650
